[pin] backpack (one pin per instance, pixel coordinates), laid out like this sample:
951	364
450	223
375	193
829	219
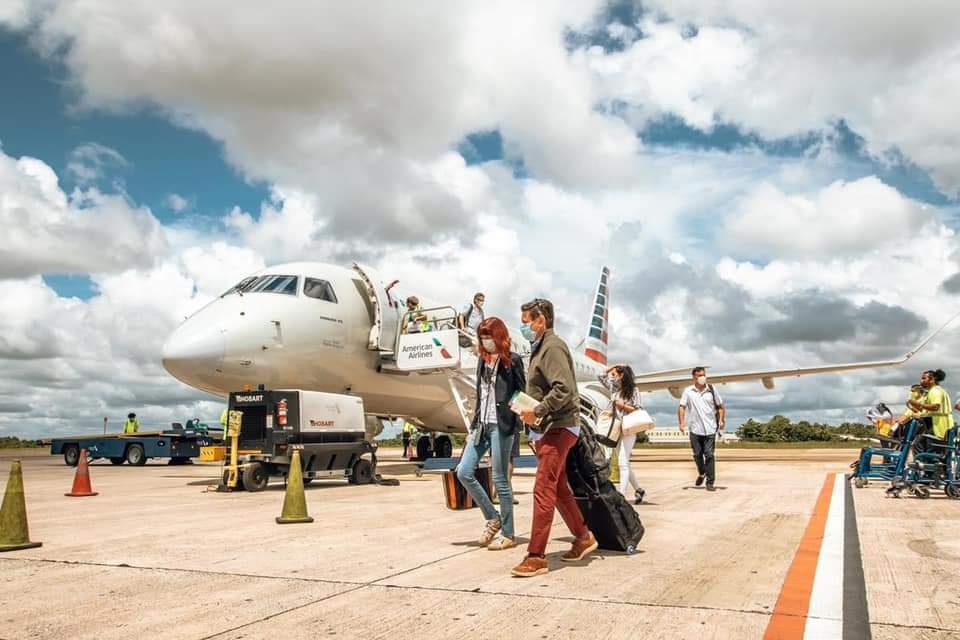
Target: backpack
466	341
587	464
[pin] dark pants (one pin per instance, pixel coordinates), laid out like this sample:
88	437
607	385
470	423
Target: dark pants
703	455
406	444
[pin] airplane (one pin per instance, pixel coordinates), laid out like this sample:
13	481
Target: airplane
323	327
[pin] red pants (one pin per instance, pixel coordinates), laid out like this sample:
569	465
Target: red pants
551	490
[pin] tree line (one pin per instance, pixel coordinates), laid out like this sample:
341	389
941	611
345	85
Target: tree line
781	429
13	442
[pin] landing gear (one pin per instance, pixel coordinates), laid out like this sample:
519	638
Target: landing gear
423	447
443	447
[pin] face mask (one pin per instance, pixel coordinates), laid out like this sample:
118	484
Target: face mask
528	332
489	345
479	303
701	380
616	383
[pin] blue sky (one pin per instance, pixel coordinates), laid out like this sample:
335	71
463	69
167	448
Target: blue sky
42	120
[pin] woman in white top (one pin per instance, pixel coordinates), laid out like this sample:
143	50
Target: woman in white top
624	401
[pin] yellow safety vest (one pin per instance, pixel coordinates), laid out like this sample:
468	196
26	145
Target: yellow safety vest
223	418
131	426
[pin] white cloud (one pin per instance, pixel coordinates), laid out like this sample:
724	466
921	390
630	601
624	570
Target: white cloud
891	72
89	162
51	232
301	101
177	203
15	13
843	218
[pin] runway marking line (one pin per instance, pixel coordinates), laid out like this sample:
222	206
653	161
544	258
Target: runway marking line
789	618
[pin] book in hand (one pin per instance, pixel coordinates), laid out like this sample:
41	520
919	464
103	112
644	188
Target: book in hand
521	402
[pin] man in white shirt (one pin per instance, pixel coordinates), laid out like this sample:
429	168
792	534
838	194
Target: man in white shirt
702	407
472	315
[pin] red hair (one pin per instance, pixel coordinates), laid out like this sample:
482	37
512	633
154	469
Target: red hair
494	328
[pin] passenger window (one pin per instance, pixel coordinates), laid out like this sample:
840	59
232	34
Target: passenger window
319	289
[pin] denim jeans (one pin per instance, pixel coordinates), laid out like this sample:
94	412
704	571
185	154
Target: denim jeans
500	446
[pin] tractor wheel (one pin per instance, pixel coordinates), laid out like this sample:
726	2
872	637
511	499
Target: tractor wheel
362	472
71	455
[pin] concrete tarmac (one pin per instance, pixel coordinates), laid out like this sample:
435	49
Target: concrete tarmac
156	556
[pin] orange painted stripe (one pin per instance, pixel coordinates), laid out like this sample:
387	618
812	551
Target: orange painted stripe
790	614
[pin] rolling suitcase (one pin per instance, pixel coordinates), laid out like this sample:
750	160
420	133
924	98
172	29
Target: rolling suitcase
456	495
611	519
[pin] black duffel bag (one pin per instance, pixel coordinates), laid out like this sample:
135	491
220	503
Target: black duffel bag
611	519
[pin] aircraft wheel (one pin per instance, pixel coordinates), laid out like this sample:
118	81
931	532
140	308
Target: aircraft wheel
255	477
423	447
443	447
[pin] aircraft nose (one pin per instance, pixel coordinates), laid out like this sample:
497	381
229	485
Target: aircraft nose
191	352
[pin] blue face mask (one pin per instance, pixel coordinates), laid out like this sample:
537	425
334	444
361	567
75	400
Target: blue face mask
528	332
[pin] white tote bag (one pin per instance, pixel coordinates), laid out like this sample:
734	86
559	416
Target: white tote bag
637	421
609	426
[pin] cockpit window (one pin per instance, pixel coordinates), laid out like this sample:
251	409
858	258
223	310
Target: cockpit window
319	289
240	286
275	284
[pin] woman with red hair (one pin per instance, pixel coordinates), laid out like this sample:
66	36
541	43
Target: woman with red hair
494	427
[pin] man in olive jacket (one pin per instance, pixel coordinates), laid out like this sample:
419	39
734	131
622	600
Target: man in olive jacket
554	425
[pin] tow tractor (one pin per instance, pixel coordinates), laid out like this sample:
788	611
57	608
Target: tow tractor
329	429
180	445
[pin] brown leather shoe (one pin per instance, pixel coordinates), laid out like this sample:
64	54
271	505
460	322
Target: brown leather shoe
531	566
580	549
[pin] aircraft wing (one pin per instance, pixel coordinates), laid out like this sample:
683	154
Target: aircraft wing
676	383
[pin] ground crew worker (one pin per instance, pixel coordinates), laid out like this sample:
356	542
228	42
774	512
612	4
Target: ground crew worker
414	320
405	436
132	425
223	419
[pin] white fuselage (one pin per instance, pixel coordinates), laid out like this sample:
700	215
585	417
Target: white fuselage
289	340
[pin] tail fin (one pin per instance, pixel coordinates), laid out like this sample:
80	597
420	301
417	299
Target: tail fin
595	342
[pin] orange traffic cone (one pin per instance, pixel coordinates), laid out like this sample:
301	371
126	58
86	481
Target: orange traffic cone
13	514
81	481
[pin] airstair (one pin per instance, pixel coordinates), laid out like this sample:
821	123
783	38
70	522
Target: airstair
428	347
